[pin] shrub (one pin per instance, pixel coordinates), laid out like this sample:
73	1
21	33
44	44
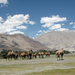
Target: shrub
3	53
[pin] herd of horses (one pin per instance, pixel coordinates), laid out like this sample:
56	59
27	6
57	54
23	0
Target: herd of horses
30	54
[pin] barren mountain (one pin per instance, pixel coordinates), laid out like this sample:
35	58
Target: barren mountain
58	39
19	42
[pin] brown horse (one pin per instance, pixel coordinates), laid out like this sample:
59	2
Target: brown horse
59	53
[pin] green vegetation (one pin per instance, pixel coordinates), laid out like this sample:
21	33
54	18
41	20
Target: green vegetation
54	51
66	52
4	52
55	72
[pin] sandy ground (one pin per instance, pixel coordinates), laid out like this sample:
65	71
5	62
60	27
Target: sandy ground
52	59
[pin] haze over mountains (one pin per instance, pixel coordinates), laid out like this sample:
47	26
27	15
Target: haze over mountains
58	39
19	42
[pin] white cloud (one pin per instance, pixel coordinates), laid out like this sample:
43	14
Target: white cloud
71	23
37	34
18	19
21	27
61	29
47	25
62	24
74	26
40	31
10	29
31	22
1	20
33	38
49	21
3	2
53	23
45	31
16	32
56	26
14	22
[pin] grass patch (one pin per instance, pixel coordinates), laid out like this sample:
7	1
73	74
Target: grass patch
71	64
70	56
19	67
55	72
38	66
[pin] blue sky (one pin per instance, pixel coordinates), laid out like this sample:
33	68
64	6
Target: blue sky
36	17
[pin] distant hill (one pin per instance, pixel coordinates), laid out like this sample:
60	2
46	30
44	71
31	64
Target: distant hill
58	39
19	42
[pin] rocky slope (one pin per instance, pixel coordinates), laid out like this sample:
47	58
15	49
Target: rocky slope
58	39
19	42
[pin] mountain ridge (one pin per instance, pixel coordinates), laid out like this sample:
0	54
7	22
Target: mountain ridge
58	39
19	42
